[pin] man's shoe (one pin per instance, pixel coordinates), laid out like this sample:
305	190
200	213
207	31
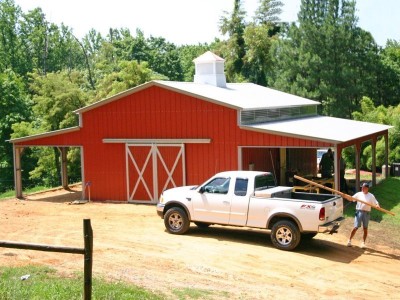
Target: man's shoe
349	243
363	245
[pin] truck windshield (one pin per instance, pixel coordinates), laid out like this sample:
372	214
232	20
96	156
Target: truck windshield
264	181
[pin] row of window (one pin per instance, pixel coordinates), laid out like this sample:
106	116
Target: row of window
220	185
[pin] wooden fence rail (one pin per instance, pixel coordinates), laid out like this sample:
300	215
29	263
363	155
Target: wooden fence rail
87	251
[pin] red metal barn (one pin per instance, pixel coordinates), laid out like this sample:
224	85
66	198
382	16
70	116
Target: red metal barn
163	134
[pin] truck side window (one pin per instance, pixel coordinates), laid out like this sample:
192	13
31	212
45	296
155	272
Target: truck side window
241	186
218	186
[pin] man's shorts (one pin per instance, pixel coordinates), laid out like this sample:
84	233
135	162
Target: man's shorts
362	217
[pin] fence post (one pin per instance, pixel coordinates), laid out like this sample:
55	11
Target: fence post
88	259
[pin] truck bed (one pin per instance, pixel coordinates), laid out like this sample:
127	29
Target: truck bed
286	193
311	196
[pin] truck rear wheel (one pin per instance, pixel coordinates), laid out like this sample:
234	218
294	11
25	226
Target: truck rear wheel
285	235
176	221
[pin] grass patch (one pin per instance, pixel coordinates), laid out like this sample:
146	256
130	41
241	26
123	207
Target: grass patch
44	283
11	193
189	293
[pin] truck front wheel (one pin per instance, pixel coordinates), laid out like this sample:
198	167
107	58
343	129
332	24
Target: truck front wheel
176	221
285	235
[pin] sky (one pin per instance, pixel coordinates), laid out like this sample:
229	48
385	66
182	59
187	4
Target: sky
192	21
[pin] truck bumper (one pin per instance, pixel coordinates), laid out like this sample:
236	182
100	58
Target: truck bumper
160	210
330	227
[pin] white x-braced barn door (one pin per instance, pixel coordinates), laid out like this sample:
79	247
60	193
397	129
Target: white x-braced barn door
153	168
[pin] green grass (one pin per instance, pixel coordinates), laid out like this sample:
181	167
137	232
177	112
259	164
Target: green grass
11	193
44	283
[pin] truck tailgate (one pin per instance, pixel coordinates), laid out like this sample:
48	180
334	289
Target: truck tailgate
333	208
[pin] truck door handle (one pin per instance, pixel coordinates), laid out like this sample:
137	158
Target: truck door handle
225	202
188	199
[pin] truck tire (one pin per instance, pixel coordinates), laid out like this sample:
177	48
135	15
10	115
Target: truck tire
176	221
285	235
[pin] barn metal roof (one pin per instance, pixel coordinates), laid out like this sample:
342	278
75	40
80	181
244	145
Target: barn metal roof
244	96
328	129
240	95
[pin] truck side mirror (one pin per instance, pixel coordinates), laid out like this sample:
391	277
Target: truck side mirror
202	190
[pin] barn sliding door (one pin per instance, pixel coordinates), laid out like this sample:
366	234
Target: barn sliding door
153	168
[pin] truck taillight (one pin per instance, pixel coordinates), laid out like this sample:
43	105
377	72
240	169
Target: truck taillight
322	214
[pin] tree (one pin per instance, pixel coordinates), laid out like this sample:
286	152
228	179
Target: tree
234	49
14	108
9	42
268	12
388	79
164	58
326	57
129	74
56	96
381	115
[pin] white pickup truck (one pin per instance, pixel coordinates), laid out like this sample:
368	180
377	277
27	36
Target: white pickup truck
251	199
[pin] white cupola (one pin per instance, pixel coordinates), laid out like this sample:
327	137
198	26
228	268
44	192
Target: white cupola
209	69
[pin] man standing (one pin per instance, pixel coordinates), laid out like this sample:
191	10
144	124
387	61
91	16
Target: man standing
362	212
326	164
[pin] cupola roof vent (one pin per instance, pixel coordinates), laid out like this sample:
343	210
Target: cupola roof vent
209	69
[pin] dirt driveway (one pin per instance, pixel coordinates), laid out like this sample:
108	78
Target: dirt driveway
131	244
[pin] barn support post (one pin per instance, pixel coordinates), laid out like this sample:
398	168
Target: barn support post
240	158
336	167
64	170
18	171
282	167
373	144
358	165
386	154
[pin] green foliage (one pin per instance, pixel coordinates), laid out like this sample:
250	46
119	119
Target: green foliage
247	49
129	74
268	12
14	108
56	96
381	115
388	90
326	57
233	49
257	61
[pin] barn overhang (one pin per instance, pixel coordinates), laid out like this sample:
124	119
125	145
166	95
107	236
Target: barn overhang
25	141
340	133
326	129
